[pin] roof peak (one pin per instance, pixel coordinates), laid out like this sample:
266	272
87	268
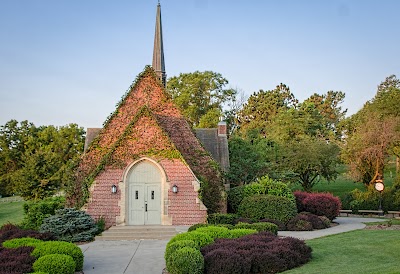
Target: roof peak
158	50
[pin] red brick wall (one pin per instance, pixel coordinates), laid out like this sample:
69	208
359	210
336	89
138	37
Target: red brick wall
183	207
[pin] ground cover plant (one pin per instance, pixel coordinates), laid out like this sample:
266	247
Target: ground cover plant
11	212
360	251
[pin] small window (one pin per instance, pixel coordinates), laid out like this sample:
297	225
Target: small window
136	194
152	194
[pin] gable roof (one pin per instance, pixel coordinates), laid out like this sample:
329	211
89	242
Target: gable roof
147	97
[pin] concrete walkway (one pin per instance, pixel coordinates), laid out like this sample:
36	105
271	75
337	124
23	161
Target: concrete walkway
147	256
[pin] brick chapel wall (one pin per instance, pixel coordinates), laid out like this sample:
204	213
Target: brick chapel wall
182	208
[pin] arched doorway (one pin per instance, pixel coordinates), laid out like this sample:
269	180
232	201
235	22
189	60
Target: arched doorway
144	194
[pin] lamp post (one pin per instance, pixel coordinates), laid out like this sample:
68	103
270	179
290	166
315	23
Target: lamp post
379	186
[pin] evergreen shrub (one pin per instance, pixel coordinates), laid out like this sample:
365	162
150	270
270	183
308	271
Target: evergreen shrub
220	218
263	185
196	226
70	225
16	260
262	226
58	247
240	232
10	231
171	248
186	260
36	211
18	242
268	206
200	239
215	231
258	253
55	264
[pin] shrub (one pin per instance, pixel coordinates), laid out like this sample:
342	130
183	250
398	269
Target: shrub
10	231
55	264
315	220
101	225
299	223
219	218
281	226
258	253
268	206
300	196
186	260
171	248
322	204
215	231
18	242
36	211
70	225
240	232
262	226
196	226
325	220
264	185
200	239
58	247
16	260
243	220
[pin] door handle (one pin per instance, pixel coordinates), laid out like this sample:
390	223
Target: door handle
145	206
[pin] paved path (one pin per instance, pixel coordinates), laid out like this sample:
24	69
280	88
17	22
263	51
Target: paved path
147	256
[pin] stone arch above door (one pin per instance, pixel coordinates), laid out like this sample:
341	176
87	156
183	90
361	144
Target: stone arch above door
144	189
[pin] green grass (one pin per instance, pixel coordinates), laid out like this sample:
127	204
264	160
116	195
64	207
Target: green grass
11	212
360	251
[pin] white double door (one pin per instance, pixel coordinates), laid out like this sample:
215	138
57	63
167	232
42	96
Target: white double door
144	208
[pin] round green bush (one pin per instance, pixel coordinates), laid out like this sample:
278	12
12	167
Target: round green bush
196	226
268	206
199	238
215	231
55	264
186	260
70	225
58	247
264	226
240	232
171	248
17	242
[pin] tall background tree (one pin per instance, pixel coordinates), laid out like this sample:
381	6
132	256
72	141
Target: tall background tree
201	96
34	161
373	133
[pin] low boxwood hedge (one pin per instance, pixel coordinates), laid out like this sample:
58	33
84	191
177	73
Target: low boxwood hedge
18	242
185	260
55	264
262	226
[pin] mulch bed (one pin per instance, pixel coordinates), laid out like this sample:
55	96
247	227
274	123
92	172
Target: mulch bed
383	227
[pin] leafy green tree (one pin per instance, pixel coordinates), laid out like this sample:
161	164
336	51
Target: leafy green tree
263	106
42	157
200	95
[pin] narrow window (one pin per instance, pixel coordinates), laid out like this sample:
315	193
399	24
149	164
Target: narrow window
152	194
136	194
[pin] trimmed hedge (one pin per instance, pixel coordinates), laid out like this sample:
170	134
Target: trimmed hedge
220	218
186	260
263	226
36	211
171	248
321	204
268	206
215	231
16	260
263	185
200	239
240	232
259	253
18	242
55	264
10	231
70	225
196	226
58	247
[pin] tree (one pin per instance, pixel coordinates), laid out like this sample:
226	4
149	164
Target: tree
373	133
200	95
39	158
263	106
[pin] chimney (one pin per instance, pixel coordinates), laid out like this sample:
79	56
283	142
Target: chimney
222	129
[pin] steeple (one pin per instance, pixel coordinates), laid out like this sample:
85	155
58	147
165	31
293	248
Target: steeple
158	51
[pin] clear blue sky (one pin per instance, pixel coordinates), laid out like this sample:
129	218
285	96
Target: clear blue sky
70	61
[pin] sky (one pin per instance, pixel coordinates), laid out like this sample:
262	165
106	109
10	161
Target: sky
70	61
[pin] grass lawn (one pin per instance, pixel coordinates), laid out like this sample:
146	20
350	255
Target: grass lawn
11	212
360	251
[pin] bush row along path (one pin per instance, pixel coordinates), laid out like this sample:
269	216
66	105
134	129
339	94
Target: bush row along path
147	256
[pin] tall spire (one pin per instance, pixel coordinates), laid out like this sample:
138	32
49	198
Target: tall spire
158	51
